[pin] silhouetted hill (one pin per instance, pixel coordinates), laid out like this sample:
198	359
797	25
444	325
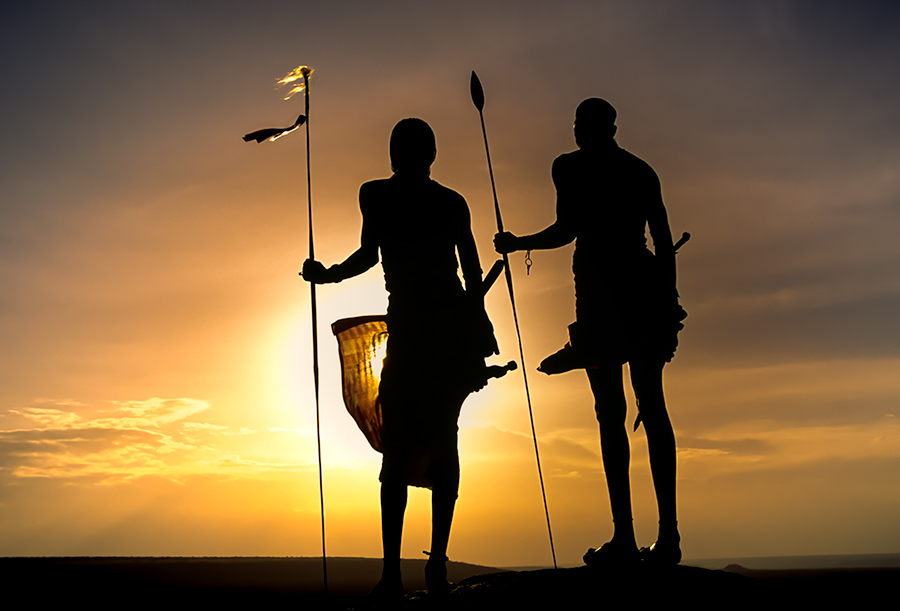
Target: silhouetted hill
238	583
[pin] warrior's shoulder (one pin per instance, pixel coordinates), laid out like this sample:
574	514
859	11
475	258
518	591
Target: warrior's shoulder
634	162
447	194
375	187
391	185
567	160
614	154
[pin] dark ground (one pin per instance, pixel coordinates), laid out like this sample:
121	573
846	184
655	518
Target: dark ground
233	583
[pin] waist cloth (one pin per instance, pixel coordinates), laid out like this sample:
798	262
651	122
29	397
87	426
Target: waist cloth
428	373
625	310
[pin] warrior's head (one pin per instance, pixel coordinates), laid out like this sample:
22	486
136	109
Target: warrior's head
595	123
412	147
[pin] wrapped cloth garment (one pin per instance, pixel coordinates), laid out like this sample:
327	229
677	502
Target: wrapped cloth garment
626	311
437	335
405	389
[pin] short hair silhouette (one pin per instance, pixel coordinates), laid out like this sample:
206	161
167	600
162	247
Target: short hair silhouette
597	110
595	120
412	146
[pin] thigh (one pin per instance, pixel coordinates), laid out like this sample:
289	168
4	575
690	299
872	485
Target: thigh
647	382
609	393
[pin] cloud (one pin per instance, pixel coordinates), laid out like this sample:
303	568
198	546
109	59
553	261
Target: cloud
126	439
162	411
204	426
48	418
766	450
131	439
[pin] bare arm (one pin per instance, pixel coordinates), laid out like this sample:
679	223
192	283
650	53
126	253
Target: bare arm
658	224
364	258
468	252
554	236
558	234
471	271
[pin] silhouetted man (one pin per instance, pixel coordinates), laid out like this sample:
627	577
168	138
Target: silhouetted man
438	337
626	310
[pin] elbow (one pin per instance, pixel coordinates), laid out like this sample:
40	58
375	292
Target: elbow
564	235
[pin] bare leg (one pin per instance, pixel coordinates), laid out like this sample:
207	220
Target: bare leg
443	502
606	384
646	378
393	506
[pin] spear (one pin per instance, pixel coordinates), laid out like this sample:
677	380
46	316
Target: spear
272	134
478	99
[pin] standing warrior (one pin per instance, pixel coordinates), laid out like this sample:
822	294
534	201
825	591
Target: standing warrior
626	310
419	226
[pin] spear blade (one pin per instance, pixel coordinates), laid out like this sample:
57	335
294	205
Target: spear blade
477	92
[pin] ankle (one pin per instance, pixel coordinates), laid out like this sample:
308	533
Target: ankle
390	569
435	558
668	533
623	533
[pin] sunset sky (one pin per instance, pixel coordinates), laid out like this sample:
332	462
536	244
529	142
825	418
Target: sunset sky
155	371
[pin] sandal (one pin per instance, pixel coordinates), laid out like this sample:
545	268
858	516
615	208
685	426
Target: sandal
387	590
665	554
436	576
610	554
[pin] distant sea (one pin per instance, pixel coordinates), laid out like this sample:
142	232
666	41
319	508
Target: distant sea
775	563
838	561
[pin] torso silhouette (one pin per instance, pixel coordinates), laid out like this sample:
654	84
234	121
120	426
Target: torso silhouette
419	226
607	198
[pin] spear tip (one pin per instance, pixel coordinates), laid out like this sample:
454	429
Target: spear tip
477	92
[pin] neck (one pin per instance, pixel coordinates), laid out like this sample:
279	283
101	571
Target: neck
599	145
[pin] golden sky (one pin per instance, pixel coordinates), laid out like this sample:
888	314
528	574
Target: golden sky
155	376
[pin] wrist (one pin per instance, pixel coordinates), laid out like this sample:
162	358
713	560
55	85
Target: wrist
332	274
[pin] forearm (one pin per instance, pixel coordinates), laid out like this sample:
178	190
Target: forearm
469	263
554	236
663	247
666	258
359	262
354	265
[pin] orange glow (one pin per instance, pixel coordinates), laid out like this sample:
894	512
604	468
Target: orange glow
156	391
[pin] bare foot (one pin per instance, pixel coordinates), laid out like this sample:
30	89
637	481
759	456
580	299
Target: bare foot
389	588
436	576
665	552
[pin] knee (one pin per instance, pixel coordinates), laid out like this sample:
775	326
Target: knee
610	416
445	491
659	428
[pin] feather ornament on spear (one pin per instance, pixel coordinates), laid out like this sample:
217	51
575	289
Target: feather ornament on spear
271	134
274	133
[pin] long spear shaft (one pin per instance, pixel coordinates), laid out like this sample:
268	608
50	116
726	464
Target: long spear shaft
315	339
272	134
478	100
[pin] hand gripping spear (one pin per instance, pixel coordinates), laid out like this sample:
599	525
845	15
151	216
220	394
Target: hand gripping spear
271	134
478	100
